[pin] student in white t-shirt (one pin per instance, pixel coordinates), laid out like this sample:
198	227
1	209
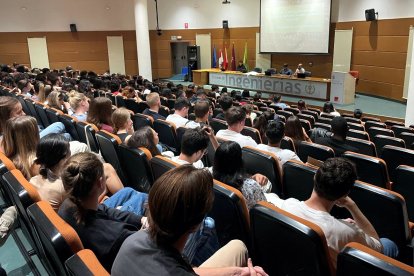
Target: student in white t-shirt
235	117
332	184
275	132
179	118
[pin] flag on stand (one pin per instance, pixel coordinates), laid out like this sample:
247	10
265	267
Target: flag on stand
214	61
233	59
220	60
225	61
245	60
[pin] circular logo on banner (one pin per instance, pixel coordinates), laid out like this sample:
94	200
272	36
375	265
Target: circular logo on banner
310	89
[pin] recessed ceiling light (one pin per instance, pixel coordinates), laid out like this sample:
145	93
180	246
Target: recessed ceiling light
23	8
107	8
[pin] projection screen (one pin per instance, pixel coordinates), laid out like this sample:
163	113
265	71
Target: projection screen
294	26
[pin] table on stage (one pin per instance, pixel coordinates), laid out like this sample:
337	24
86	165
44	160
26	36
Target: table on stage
313	88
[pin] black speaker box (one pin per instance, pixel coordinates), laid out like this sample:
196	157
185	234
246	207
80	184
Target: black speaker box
73	28
194	61
225	24
370	15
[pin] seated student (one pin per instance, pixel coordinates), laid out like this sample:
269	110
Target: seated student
358	113
328	108
225	103
277	100
154	103
337	141
200	95
250	115
147	138
201	112
130	93
194	146
332	184
295	131
100	112
158	249
179	118
215	91
123	127
299	70
79	105
235	118
56	100
261	123
285	70
275	133
101	227
302	106
241	67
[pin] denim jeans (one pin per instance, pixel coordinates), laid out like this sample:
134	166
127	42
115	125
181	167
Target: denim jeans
57	128
389	248
202	244
129	200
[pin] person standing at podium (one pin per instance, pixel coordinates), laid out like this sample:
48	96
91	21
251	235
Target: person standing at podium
300	70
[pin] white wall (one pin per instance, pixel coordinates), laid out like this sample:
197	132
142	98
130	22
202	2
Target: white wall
99	15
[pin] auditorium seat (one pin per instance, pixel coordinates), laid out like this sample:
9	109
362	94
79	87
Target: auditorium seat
53	114
287	143
358	134
370	124
160	165
230	214
306	125
400	129
324	120
322	125
135	164
358	259
314	114
171	103
86	132
285	113
370	169
70	125
109	144
85	263
356	126
133	105
164	111
307	117
404	185
217	124
30	105
25	108
382	140
120	101
319	152
280	118
352	120
217	111
387	212
314	109
167	135
373	131
363	146
391	123
298	180
263	162
295	111
253	133
326	115
111	97
41	113
408	139
284	244
140	120
58	239
395	156
373	119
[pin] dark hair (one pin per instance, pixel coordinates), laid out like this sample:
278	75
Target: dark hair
225	102
261	123
246	93
224	90
339	126
144	137
194	140
234	115
328	107
302	105
79	176
100	112
201	108
228	164
257	96
180	103
358	113
294	130
275	132
178	202
50	151
335	178
277	98
114	85
214	87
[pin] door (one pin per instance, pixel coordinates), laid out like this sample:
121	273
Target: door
179	56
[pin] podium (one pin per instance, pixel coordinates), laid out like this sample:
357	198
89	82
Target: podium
342	88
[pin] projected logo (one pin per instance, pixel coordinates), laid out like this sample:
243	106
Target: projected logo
310	89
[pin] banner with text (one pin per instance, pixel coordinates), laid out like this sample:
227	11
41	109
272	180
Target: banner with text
294	87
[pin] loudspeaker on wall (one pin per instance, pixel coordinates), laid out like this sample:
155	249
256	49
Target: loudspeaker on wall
225	24
370	15
73	28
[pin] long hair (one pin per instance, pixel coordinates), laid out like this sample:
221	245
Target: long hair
178	202
54	100
79	177
294	130
261	123
7	105
75	99
20	138
100	112
119	118
144	137
51	149
228	164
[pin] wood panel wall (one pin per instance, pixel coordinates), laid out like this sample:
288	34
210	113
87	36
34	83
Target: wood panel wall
379	51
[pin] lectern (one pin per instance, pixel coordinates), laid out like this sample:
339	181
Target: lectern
342	88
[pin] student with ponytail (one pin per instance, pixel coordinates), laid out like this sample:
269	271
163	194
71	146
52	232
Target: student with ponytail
121	119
